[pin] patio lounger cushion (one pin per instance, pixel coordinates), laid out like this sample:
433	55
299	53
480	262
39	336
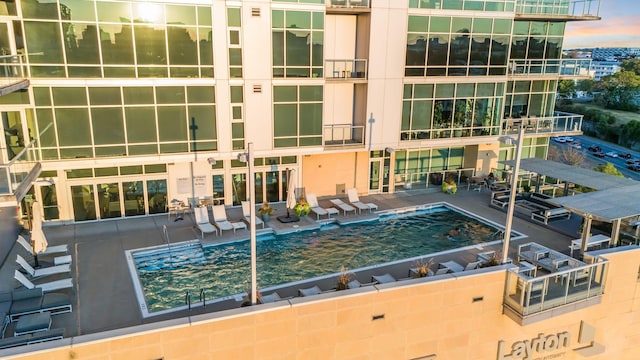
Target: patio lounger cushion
33	323
26	301
53	334
56	303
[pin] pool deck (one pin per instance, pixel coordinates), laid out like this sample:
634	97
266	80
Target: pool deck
104	299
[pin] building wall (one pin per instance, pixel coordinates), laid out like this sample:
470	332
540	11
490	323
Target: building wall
325	174
455	318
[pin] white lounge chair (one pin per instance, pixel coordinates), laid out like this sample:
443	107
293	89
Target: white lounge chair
220	218
319	211
246	212
354	199
452	266
36	273
314	290
202	221
383	279
50	250
343	206
49	286
472	265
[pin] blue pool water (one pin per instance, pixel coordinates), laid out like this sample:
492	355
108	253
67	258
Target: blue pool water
224	270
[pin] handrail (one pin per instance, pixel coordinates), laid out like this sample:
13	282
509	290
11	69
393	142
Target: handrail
203	299
563	67
559	122
558	7
187	300
343	134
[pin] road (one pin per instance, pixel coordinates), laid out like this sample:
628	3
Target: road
619	163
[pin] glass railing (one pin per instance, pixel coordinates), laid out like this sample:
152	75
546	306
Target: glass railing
562	67
348	3
427	179
345	69
558	123
526	295
12	67
558	7
13	172
343	134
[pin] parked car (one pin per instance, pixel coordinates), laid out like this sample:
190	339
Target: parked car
576	145
625	155
568	139
595	148
632	161
559	139
599	154
634	167
612	154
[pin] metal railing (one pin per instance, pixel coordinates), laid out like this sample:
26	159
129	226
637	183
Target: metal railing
348	3
527	296
19	167
562	67
342	134
558	123
558	7
426	179
345	69
12	67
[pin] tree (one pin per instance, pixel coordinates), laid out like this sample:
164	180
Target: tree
619	90
632	65
586	85
567	88
630	134
608	168
569	156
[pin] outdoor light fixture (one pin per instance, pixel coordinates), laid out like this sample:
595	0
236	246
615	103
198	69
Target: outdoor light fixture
243	157
389	150
211	161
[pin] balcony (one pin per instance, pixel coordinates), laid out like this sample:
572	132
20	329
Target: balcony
560	123
564	68
350	69
12	74
559	10
529	299
338	6
343	135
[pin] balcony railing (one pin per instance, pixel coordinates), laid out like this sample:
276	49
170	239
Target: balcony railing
348	3
345	69
12	74
17	170
428	179
560	122
562	67
525	296
579	8
343	134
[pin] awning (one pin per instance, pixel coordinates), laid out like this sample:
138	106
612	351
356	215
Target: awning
607	205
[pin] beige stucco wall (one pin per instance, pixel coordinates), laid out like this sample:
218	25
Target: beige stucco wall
321	173
420	318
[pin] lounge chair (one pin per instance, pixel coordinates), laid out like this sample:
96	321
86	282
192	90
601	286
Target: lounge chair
442	271
472	265
354	284
220	218
41	272
202	221
246	212
50	250
273	297
27	339
383	279
320	211
355	201
452	266
49	286
314	290
343	206
31	301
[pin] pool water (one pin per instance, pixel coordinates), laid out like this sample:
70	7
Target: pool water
224	270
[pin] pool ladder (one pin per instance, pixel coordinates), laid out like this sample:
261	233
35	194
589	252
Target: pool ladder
203	299
165	234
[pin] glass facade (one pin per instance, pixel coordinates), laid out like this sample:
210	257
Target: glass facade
434	111
93	122
298	43
106	39
530	98
537	40
297	116
474	5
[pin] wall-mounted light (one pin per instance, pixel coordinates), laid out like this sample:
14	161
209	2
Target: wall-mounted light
389	150
242	157
211	161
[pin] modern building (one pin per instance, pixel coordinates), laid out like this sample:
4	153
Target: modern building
604	68
614	53
112	109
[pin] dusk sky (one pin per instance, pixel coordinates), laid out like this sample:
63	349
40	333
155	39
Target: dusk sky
619	27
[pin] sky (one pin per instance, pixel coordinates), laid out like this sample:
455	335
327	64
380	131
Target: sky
619	27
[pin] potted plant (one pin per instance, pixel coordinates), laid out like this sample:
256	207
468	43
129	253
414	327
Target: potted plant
449	186
265	211
344	279
302	208
421	269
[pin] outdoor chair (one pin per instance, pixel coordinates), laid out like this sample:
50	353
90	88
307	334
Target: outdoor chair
220	218
452	266
320	211
50	250
354	199
41	272
273	297
383	279
246	212
202	221
343	206
472	265
314	290
48	286
31	301
354	284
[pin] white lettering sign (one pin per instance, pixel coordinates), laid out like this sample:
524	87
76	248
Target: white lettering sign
527	349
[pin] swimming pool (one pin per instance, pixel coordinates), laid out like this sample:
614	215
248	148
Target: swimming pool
224	270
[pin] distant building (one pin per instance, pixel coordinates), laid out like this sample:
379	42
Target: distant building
612	54
601	69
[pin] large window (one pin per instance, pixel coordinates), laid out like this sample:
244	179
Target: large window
298	40
431	111
297	114
427	165
117	39
457	46
537	40
473	5
124	121
530	98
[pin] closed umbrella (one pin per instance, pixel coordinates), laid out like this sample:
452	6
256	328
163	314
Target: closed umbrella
291	190
38	239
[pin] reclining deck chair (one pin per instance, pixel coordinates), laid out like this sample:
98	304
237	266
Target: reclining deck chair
41	272
246	212
202	221
49	286
319	211
50	250
354	199
220	218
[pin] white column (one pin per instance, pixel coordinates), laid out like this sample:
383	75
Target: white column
252	224
512	196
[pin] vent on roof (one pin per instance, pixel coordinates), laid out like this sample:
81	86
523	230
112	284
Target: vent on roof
255	11
257	89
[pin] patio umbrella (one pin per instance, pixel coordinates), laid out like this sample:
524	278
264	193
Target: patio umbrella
38	239
291	190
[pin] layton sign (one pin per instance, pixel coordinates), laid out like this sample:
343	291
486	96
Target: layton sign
529	349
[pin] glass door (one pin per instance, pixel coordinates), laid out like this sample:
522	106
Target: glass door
84	205
379	175
133	192
109	200
157	196
49	201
